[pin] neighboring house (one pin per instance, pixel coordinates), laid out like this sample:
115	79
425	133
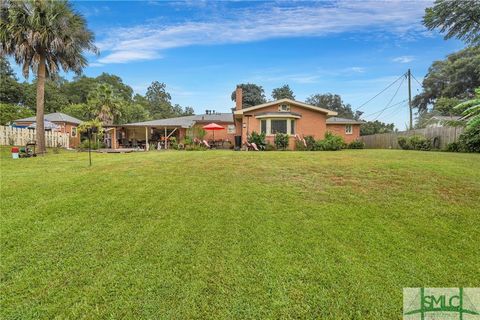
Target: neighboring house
348	129
294	118
67	125
441	121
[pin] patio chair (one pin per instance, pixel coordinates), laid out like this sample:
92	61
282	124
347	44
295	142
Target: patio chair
135	144
251	146
205	143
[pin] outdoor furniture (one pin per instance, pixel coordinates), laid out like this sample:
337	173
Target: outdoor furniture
205	143
213	127
251	146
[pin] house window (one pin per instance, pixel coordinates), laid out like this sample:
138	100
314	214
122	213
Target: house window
278	126
348	129
292	126
231	129
284	108
74	131
263	127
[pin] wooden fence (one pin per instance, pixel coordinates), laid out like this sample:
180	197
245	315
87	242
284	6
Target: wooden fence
10	136
442	135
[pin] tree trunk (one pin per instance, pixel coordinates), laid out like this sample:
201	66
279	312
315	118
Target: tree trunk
40	129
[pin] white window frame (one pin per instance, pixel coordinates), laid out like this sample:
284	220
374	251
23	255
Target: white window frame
289	125
231	129
348	129
72	130
281	107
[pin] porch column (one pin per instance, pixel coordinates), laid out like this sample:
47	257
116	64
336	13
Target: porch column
166	144
147	146
114	138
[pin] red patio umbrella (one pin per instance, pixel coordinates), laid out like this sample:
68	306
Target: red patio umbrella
213	127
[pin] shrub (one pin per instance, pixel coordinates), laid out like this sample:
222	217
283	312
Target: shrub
330	143
270	147
403	143
453	147
310	140
281	141
415	143
470	140
94	144
258	139
356	145
195	147
420	143
299	146
188	140
173	143
309	144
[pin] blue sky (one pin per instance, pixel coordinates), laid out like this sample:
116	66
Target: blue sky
202	49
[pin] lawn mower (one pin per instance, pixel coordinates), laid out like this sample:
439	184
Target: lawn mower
28	151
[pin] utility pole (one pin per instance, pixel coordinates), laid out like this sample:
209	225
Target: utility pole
409	77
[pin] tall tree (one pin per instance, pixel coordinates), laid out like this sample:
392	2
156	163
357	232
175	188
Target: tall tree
284	92
106	104
78	89
116	83
188	111
455	77
10	112
55	97
332	102
373	127
252	95
456	18
44	36
10	90
159	100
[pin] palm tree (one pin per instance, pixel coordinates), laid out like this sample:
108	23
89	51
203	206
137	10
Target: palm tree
44	35
471	110
105	104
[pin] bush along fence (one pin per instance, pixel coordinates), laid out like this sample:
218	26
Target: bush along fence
440	137
11	136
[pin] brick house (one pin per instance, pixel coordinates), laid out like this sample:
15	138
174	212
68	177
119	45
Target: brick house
292	117
287	116
66	125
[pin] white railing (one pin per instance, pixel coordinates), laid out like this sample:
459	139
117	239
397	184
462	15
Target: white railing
11	136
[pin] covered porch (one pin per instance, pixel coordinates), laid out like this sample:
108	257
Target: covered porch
143	137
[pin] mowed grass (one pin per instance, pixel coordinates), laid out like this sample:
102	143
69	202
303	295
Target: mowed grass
234	235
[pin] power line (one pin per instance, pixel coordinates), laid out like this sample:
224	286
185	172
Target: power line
391	84
389	107
416	80
396	110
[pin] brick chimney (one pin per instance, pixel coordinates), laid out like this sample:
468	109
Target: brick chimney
238	98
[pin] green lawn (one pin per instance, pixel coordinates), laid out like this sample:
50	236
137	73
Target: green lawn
223	234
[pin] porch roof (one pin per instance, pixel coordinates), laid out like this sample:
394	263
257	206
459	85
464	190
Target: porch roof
184	122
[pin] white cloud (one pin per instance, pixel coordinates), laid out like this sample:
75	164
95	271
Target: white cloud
123	56
356	69
95	64
403	59
143	42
